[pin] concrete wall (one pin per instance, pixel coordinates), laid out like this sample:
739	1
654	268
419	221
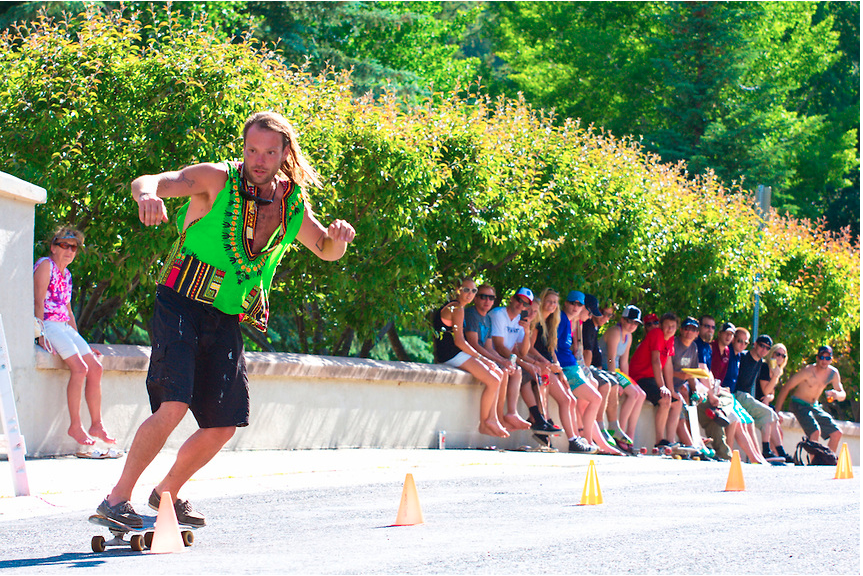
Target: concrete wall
298	401
310	402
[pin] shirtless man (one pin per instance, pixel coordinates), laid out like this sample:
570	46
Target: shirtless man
810	383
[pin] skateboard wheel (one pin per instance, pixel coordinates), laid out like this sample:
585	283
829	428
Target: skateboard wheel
676	456
696	458
188	537
148	539
98	543
136	542
643	450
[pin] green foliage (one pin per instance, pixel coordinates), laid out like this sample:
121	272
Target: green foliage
462	184
756	92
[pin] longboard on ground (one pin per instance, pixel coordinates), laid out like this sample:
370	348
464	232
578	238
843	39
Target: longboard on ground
140	539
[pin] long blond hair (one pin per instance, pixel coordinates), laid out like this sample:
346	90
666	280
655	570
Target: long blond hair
549	324
784	362
295	167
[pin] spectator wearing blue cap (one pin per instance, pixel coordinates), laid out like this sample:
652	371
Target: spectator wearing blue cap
570	354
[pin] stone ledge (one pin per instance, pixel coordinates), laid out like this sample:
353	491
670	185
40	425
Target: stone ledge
125	358
18	189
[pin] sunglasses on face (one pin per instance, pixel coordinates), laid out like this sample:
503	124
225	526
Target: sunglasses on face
485	296
467	290
67	246
744	342
762	344
825	358
709	326
651	324
690	328
779	355
523	302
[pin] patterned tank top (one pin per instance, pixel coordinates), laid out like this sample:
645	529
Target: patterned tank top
59	293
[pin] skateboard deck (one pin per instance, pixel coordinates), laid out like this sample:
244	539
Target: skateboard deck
140	539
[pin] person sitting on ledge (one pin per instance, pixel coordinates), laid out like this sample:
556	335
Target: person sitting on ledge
451	348
52	286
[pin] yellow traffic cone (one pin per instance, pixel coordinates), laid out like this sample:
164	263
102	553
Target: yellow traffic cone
167	537
843	467
410	512
735	475
591	493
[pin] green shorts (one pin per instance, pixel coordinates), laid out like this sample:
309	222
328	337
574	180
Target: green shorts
574	375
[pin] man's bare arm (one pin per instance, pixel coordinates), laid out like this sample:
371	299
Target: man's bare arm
201	182
326	243
792	383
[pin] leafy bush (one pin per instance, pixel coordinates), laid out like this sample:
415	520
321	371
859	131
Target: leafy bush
463	184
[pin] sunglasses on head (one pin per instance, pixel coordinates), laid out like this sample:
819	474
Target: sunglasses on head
67	245
485	296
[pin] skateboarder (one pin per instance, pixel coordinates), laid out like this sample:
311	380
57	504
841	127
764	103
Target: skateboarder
240	219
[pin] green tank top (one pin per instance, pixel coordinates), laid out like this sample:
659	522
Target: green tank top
212	260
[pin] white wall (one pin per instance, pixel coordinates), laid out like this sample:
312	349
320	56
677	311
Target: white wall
306	402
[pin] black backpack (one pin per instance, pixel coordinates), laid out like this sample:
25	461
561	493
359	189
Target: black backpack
814	453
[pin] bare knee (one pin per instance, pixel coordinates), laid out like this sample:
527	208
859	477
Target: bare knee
170	413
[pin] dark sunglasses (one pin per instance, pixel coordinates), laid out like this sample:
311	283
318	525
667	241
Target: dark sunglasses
762	344
67	246
255	198
780	354
709	326
651	324
486	296
825	357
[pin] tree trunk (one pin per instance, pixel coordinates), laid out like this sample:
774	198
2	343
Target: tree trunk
396	344
367	346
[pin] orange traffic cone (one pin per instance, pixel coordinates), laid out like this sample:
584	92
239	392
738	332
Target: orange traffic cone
167	537
591	493
843	467
735	475
410	512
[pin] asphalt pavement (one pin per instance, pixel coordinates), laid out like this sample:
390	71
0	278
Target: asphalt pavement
485	512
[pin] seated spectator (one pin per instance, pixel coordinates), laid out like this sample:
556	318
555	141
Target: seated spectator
706	329
607	381
545	340
685	384
587	397
808	384
720	350
765	387
743	428
615	346
451	348
765	419
650	369
52	285
537	369
508	330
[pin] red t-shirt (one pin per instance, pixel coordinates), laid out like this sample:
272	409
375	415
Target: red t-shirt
640	365
719	362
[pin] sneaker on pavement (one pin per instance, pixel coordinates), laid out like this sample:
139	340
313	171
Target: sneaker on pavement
581	446
185	513
121	512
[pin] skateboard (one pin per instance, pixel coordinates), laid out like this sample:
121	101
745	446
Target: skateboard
140	539
685	453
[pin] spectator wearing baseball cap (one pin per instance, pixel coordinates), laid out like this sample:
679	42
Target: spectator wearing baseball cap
616	344
720	350
765	419
508	324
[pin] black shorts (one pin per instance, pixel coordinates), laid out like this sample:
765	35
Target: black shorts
198	359
650	387
603	377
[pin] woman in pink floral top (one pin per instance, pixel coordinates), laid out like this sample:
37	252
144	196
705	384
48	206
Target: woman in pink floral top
52	283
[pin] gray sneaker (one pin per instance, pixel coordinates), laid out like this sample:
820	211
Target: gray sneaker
121	512
581	446
184	511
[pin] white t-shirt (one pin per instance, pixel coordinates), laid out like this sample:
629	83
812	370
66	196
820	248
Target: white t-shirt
501	325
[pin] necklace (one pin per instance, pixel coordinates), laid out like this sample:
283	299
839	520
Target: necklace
250	191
